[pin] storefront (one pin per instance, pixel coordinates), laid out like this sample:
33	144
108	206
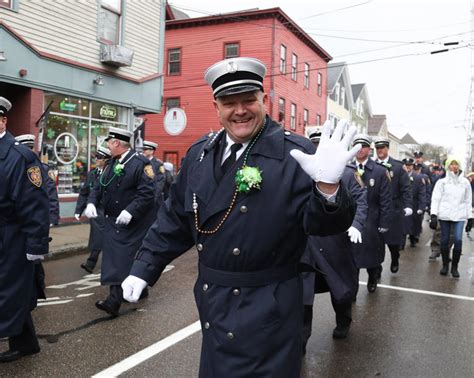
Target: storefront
73	130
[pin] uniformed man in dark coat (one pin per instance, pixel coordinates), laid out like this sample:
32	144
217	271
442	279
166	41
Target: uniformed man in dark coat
125	190
418	189
370	254
149	149
419	160
247	205
333	267
97	225
24	232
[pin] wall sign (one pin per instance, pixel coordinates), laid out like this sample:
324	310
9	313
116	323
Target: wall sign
175	121
107	111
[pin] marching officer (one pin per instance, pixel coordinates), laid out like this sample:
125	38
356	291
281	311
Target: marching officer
402	201
24	230
149	149
333	265
124	190
426	178
370	254
418	189
419	160
247	205
97	225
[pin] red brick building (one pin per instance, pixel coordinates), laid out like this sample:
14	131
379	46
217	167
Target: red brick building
295	81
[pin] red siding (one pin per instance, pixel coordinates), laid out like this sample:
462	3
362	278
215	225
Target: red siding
201	46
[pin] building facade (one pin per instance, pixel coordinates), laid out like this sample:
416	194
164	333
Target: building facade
339	93
72	69
295	81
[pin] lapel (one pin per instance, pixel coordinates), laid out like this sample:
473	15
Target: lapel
215	197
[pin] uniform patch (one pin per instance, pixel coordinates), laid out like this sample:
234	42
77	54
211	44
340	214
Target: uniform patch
51	175
34	175
149	171
371	182
162	170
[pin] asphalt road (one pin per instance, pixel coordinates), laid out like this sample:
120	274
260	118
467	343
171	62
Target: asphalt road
417	324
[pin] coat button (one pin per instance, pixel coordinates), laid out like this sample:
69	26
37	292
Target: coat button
236	292
236	251
287	133
206	325
199	247
230	335
106	216
116	201
243	209
205	287
118	232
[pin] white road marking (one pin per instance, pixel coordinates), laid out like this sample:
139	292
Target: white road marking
152	350
60	300
435	293
54	303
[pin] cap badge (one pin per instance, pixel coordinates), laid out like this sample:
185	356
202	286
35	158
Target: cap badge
232	67
371	182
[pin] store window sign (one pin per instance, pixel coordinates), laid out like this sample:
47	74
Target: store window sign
66	148
107	111
67	106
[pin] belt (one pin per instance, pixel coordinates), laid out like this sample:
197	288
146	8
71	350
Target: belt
247	279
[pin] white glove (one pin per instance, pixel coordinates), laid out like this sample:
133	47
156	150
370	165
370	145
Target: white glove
34	257
382	230
124	218
77	216
332	155
408	211
354	235
91	211
419	212
132	288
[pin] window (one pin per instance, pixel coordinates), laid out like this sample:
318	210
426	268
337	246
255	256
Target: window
342	97
337	89
294	64
360	108
108	21
172	103
293	117
305	117
174	61
320	84
306	75
281	111
6	3
318	119
231	50
283	59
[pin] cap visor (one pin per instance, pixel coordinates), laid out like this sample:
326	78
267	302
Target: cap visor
237	90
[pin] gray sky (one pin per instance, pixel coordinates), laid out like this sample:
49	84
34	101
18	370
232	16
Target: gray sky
424	94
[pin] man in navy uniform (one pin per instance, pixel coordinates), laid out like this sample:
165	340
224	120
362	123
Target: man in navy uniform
333	267
124	190
402	201
247	203
418	191
149	149
24	230
97	225
370	254
419	160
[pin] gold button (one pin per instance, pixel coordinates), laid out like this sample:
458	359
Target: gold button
206	325
287	133
199	247
236	292
230	335
236	251
205	287
243	209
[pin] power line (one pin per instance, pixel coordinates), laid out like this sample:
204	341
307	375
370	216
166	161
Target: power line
337	10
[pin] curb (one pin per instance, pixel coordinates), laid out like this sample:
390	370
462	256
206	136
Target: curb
67	250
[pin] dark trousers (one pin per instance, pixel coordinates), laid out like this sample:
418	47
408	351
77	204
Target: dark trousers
26	341
394	251
115	297
92	259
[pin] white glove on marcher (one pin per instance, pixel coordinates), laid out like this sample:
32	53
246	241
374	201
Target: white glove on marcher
408	211
77	216
34	257
354	235
382	230
419	211
90	211
332	155
124	218
132	288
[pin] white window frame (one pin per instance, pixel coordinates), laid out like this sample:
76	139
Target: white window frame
283	59
231	45
337	89
305	117
170	51
107	10
320	84
7	4
342	97
293	116
306	75
294	66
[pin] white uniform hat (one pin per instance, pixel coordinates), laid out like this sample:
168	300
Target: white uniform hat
5	106
150	145
120	134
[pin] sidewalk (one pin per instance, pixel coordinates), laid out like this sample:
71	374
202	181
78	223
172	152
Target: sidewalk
68	239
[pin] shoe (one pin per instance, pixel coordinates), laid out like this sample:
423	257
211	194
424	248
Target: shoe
444	270
434	255
394	266
371	286
379	274
13	355
109	309
144	294
454	271
340	332
87	268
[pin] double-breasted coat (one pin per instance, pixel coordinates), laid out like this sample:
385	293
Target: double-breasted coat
24	228
248	291
330	257
371	252
418	189
133	191
401	199
160	179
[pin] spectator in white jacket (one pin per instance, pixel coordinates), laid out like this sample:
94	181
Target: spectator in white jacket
451	205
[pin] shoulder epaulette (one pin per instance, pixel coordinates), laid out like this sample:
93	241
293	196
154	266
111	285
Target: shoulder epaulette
143	159
300	141
29	155
351	166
